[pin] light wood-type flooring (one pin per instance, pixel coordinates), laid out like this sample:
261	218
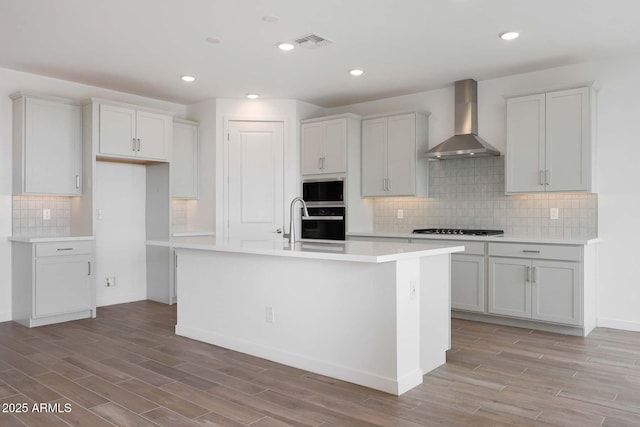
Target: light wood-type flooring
127	368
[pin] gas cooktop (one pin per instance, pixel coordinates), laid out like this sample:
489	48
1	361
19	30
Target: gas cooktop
458	231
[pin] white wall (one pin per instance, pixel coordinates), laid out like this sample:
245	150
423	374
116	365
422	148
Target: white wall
120	193
618	157
14	81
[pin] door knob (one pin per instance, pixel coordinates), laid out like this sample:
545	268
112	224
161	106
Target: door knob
279	231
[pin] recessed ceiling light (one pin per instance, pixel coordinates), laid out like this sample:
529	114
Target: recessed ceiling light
187	79
253	96
509	35
213	40
285	46
270	18
356	72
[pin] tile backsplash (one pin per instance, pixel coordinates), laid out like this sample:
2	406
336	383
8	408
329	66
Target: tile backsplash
469	193
27	216
179	213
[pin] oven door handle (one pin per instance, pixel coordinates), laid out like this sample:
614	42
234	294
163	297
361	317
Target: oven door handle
323	218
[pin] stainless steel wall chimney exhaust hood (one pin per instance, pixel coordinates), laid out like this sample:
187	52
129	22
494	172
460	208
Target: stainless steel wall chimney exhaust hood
466	142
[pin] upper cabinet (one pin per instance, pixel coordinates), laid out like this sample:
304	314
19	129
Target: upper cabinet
393	155
47	146
128	132
324	146
550	142
184	160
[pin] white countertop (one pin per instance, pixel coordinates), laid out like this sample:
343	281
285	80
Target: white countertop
374	252
504	238
191	233
30	239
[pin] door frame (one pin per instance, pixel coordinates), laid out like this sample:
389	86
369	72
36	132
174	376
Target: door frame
222	187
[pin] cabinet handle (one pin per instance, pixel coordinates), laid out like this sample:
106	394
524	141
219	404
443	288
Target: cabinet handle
384	184
319	162
541	178
89	263
389	184
323	163
64	249
527	275
78	181
530	252
547	175
133	144
535	275
138	144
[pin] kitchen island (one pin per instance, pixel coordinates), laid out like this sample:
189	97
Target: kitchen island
371	313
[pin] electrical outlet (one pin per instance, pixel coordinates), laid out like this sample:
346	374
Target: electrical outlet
110	282
99	214
46	214
554	213
400	213
269	315
413	290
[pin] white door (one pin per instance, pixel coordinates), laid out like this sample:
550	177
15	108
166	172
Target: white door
63	285
567	148
509	287
334	159
525	158
117	130
374	157
255	184
467	282
401	155
556	292
184	161
312	148
154	133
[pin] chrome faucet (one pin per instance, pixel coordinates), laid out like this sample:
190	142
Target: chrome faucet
292	228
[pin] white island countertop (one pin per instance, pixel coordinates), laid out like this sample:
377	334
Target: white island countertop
354	251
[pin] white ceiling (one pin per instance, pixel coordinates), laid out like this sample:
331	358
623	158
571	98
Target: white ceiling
405	46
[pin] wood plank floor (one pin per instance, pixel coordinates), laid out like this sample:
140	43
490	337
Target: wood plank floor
127	368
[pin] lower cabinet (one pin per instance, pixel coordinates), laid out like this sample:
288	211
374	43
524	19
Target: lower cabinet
467	282
53	282
546	290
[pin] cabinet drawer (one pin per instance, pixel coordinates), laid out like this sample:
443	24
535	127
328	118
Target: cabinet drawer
470	248
533	251
64	248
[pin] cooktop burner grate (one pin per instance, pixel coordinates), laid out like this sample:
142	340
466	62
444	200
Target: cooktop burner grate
458	231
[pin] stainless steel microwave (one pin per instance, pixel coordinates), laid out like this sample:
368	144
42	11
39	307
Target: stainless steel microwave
323	191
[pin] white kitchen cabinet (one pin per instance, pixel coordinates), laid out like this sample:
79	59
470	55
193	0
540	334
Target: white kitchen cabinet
527	285
184	160
509	287
53	282
128	132
393	160
551	142
324	147
47	146
468	282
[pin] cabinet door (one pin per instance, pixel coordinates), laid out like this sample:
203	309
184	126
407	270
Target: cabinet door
117	130
509	287
568	154
62	285
312	148
374	157
53	149
525	157
467	282
401	155
334	159
556	292
154	133
184	161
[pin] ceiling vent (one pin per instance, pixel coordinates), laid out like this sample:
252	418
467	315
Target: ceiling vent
313	41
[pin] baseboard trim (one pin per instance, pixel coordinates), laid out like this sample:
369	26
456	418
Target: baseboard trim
520	323
6	316
367	379
120	300
623	325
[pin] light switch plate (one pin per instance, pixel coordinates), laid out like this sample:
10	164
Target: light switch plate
46	214
400	213
554	213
